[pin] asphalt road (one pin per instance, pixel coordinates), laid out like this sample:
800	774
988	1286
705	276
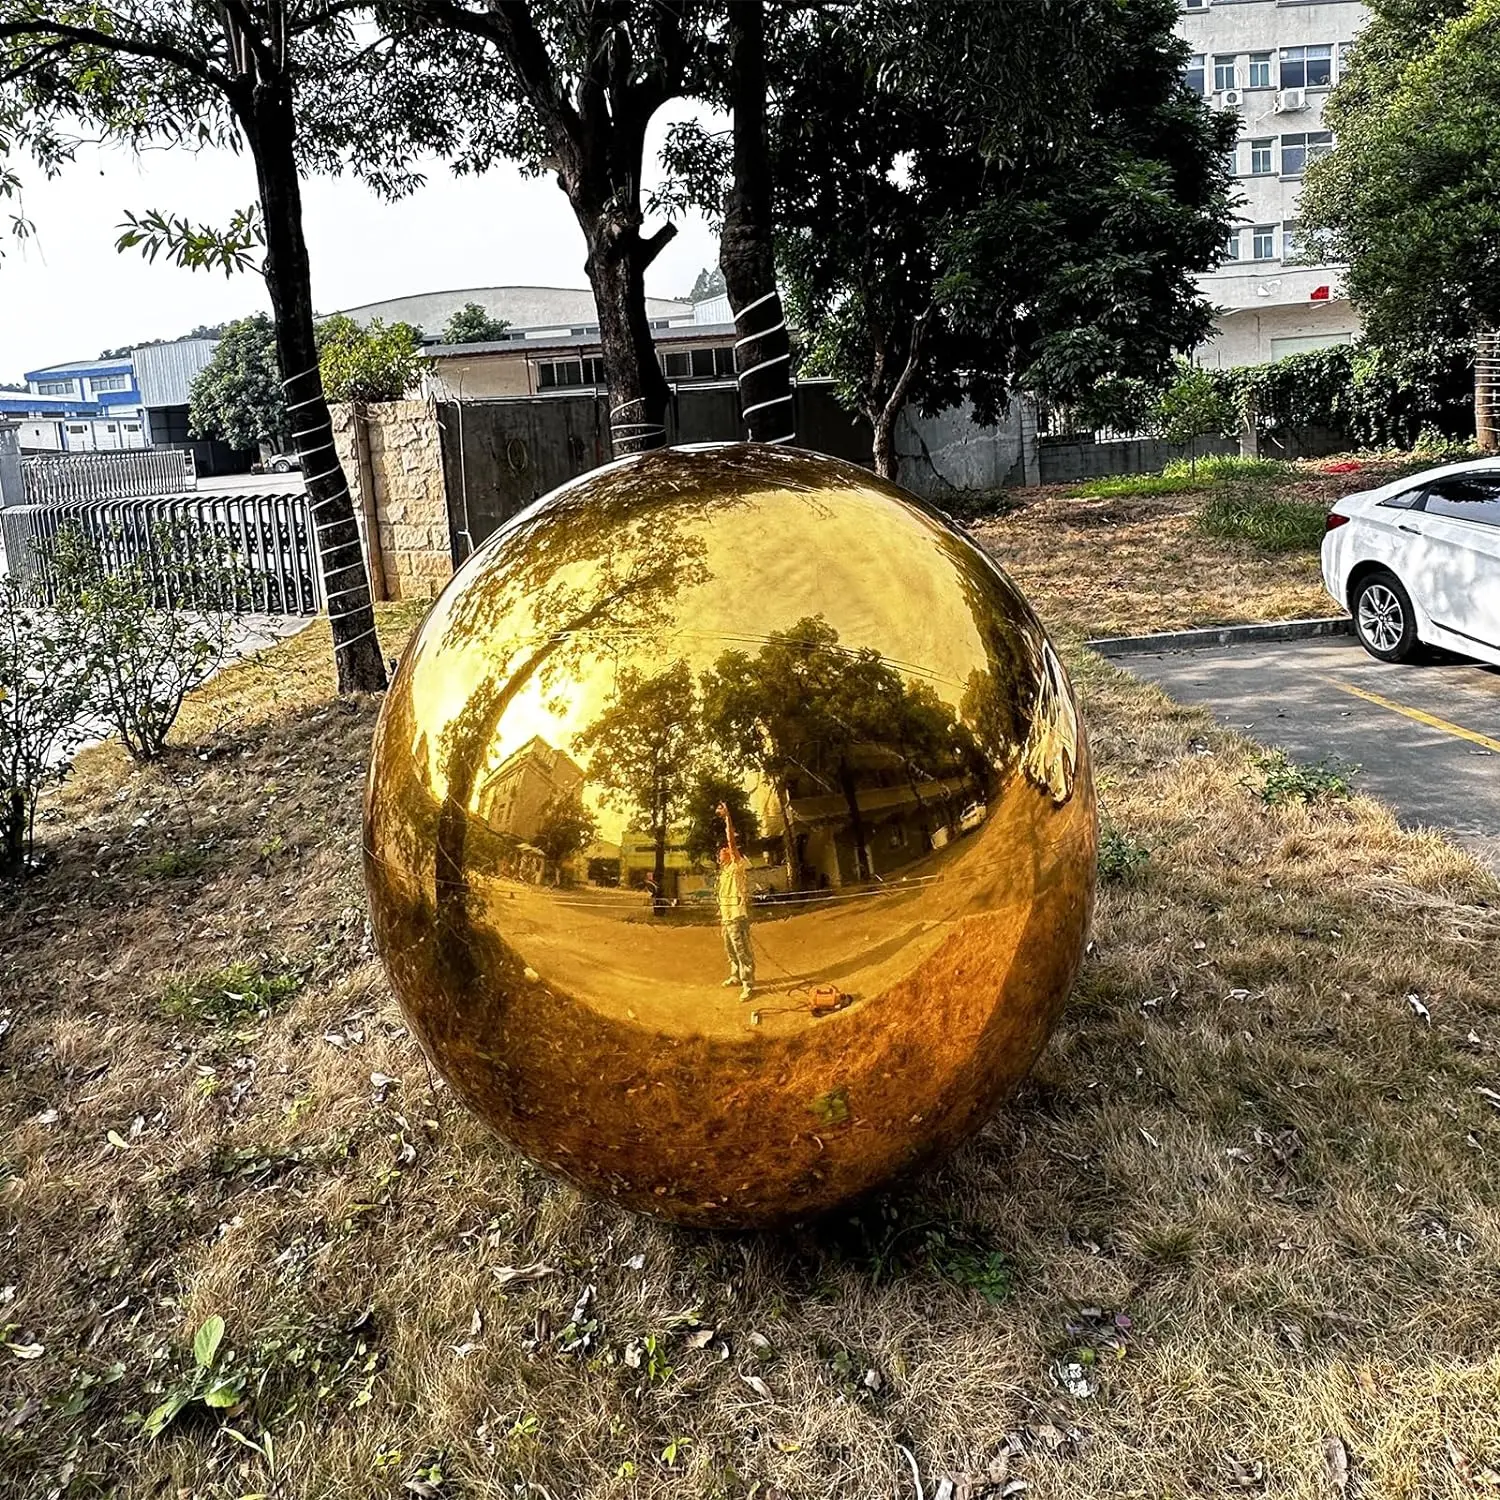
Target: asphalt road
1426	738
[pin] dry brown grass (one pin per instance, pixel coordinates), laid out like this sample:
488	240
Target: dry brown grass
1244	1138
1128	565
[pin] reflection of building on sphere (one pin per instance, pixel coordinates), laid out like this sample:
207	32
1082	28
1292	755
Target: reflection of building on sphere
737	708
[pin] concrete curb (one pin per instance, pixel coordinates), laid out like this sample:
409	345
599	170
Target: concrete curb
1220	635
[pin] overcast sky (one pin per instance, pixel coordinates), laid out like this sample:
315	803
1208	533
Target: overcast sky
68	294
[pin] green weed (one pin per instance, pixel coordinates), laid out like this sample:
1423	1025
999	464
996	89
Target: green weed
1121	857
226	997
1286	781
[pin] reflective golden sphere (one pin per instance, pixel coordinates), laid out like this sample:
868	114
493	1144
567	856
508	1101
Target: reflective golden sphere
730	836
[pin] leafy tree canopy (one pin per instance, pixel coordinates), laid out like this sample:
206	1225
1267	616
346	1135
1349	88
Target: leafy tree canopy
1035	227
377	363
236	397
1410	200
471	324
709	283
1192	407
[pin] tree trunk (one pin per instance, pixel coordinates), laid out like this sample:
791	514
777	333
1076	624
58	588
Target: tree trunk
883	449
762	352
13	858
659	901
1487	391
616	268
270	128
856	823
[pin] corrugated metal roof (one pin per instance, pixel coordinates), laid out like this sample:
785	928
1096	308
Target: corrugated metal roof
520	306
115	363
663	338
164	372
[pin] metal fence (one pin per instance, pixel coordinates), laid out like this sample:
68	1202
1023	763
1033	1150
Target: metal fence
57	478
244	553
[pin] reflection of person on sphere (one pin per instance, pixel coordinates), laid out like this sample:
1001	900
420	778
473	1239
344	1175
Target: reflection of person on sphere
734	909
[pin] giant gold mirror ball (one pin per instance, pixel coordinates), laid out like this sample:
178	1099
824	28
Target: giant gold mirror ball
730	836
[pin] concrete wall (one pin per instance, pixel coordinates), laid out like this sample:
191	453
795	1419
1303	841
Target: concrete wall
411	508
1063	460
949	455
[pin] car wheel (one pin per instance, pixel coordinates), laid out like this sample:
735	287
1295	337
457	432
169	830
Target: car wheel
1384	619
281	466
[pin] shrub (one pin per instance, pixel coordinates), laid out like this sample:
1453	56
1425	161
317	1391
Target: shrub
144	651
1194	406
46	701
1367	396
1250	514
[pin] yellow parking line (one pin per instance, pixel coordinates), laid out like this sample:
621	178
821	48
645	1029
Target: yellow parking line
1431	720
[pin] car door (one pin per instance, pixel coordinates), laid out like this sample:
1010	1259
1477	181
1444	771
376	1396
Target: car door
1456	576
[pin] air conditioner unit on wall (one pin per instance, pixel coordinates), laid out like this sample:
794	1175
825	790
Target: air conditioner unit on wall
1290	100
1231	98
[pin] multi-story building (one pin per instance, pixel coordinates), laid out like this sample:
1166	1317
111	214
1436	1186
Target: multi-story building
104	405
1273	62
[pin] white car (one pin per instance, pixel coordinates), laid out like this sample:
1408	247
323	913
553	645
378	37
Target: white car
1417	562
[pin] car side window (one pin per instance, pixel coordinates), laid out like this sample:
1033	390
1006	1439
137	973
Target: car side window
1406	500
1466	497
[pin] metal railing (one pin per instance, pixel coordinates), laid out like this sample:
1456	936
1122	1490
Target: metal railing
122	474
258	549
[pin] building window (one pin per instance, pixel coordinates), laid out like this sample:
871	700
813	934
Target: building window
1262	157
1298	150
1193	76
55	388
132	427
1232	246
77	428
1291	244
1223	74
1263	242
677	366
1195	4
1232	161
1307	67
1345	51
109	383
554	374
724	361
1260	70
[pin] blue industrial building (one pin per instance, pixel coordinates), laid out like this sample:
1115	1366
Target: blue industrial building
84	406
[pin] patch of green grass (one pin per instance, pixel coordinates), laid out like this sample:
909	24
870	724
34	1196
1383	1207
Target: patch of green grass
175	862
1214	468
1286	781
1180	477
225	997
1269	521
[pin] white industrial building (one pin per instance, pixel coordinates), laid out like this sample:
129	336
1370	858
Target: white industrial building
1273	62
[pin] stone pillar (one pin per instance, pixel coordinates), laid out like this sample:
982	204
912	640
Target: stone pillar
12	492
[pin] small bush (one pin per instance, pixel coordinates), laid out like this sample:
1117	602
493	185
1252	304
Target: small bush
1270	521
1286	781
1121	858
225	997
